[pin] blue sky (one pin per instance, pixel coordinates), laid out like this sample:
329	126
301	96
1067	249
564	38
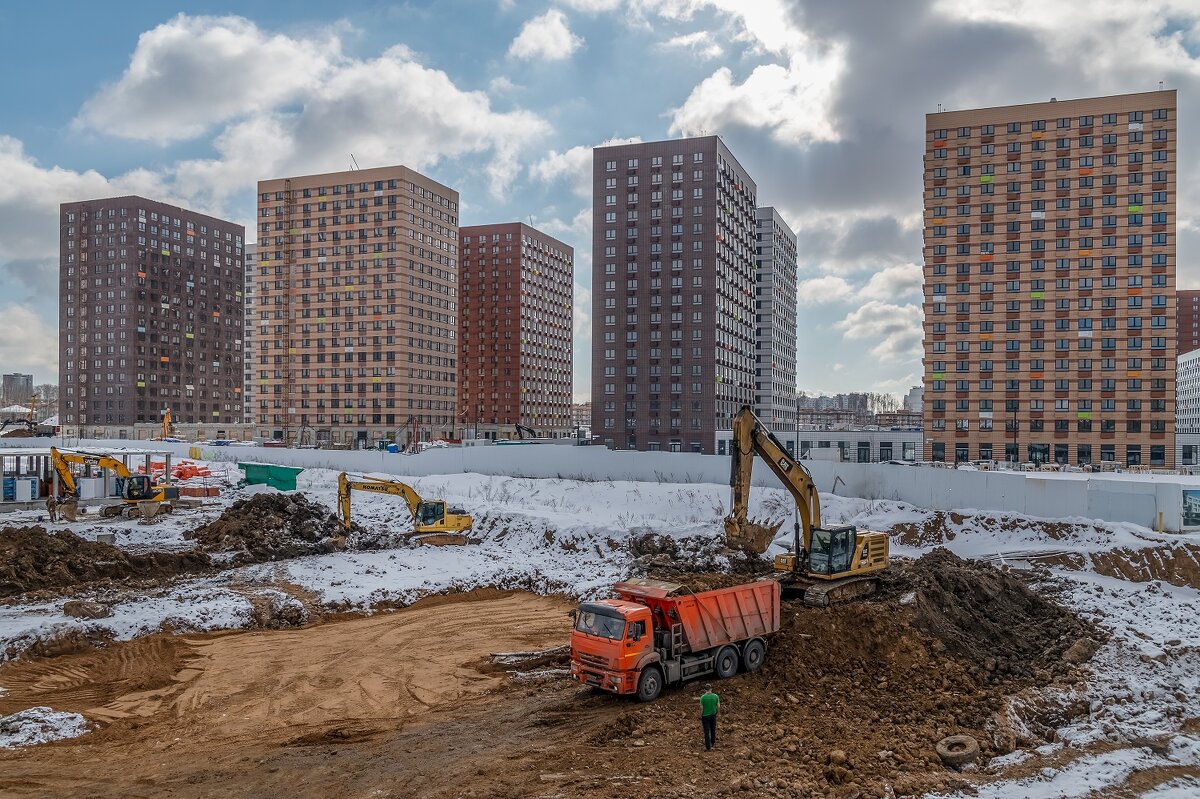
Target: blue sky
822	102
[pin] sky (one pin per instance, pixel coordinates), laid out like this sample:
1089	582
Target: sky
823	103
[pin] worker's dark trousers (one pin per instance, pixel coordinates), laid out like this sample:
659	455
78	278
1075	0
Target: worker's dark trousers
710	730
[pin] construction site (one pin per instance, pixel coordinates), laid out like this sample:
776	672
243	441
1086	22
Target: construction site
472	635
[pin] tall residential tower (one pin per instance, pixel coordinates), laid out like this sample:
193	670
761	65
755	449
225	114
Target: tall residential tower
1050	312
151	315
515	318
673	329
775	320
357	306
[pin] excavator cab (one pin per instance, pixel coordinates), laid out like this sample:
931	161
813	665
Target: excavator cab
430	513
832	550
137	487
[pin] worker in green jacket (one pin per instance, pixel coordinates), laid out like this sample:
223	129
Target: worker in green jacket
709	702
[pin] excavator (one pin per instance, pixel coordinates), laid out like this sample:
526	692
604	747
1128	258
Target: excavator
828	564
522	430
138	492
434	522
25	428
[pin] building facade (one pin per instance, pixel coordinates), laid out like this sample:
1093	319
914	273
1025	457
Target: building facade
672	294
775	320
1050	327
16	389
151	317
1187	408
357	307
581	416
515	324
912	400
1188	320
249	294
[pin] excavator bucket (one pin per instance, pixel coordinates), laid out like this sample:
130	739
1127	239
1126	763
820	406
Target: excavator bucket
149	509
69	511
751	535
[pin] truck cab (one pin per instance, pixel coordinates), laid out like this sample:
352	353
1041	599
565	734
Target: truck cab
432	515
609	644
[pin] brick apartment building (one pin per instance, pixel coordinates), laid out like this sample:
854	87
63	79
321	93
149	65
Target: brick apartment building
249	373
357	307
151	315
515	324
775	319
673	336
1050	312
1188	320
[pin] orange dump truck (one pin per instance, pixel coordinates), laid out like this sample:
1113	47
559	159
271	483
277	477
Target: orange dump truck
653	634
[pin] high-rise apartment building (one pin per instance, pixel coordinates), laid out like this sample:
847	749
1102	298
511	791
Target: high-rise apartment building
515	317
673	328
775	319
1050	326
1187	411
1188	321
151	316
357	306
16	389
249	407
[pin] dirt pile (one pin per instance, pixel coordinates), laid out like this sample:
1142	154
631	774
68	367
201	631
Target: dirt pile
34	559
988	618
271	527
702	562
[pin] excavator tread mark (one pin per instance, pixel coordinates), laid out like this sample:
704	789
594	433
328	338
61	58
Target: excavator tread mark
823	595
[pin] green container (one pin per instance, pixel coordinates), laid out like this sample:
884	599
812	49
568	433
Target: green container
280	477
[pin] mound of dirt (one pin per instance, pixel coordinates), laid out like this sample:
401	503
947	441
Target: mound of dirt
987	617
34	559
702	562
271	527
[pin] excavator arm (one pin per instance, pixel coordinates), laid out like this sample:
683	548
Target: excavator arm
393	487
64	473
751	438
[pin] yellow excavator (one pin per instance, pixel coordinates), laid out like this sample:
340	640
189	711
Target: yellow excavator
138	492
434	522
829	564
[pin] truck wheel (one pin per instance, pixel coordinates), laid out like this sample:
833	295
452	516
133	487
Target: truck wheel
753	655
650	684
726	663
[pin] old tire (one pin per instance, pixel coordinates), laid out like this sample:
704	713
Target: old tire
650	684
753	655
726	663
957	751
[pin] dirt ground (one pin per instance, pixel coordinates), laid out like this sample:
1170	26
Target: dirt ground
849	704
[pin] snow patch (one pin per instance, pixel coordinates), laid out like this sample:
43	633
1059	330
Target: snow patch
39	725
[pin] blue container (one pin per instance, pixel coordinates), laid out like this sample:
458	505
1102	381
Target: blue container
10	489
393	447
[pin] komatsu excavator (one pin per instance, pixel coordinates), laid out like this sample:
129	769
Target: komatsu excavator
138	492
829	564
434	522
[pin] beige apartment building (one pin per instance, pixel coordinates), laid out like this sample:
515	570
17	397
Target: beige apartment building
356	307
1050	311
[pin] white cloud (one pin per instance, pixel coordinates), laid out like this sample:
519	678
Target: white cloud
29	343
819	290
546	37
701	43
192	73
501	84
592	6
402	111
793	101
896	329
893	282
574	164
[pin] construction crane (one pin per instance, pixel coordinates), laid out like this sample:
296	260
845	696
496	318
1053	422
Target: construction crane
434	522
137	491
829	564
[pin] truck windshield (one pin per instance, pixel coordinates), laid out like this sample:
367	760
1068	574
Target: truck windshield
603	625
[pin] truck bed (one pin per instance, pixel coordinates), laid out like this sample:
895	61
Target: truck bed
710	618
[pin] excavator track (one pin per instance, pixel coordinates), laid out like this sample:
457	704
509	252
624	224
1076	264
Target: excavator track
835	592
